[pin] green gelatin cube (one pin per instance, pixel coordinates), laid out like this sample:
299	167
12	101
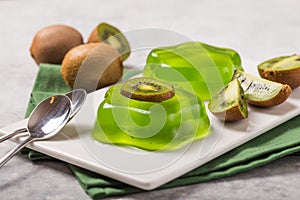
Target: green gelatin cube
166	125
202	68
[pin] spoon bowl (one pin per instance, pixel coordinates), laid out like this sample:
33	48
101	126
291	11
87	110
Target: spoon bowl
45	121
77	97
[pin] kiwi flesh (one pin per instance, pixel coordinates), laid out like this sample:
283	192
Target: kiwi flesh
111	35
262	92
229	103
285	70
51	43
147	89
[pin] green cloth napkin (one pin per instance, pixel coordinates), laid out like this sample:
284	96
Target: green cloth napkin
276	143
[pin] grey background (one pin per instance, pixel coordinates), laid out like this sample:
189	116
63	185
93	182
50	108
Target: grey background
257	29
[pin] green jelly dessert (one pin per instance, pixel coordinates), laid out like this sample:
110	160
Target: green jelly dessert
206	68
151	115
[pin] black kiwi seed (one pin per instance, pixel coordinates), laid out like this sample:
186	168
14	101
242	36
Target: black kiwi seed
147	89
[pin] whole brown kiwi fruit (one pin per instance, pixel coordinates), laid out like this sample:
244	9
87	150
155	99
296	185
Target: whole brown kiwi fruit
92	66
51	43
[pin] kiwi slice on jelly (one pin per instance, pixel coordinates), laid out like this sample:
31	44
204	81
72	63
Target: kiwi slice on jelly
111	35
285	70
147	89
229	103
262	92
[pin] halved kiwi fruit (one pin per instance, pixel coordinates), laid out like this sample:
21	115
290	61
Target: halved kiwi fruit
262	92
147	89
229	103
285	70
111	35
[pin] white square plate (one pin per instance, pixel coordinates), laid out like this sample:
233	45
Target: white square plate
149	170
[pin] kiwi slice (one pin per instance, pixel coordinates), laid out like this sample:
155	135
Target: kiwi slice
285	70
111	35
147	89
262	92
229	103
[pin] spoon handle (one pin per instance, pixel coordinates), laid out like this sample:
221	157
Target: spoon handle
16	132
15	150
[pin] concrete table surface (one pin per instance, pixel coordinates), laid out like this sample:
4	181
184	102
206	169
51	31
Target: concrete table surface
258	30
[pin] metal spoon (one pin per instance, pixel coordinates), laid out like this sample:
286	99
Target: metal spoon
77	97
46	120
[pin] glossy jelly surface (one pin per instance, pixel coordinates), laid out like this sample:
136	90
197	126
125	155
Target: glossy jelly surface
165	125
206	68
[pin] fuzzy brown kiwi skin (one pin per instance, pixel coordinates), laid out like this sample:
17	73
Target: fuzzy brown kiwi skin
74	61
51	43
278	99
290	77
233	114
93	38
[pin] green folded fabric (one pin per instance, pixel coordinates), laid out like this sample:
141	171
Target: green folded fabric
276	143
